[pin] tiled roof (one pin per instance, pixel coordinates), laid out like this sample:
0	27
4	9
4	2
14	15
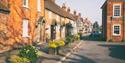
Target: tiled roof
70	16
57	9
54	8
119	0
112	1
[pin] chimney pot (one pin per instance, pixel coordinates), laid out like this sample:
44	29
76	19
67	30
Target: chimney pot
64	6
68	10
79	14
74	12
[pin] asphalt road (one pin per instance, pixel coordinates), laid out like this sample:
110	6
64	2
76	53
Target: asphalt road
98	52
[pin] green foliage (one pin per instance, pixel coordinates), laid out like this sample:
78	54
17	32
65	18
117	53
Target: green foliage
18	59
29	52
60	43
76	37
96	27
69	39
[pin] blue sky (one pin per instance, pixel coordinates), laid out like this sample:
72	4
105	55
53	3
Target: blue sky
88	8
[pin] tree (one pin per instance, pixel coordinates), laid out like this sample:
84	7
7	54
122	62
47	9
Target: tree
96	27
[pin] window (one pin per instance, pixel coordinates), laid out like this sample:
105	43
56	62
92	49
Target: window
116	29
25	28
116	10
25	3
38	5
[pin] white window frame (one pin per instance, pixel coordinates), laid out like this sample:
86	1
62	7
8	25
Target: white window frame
25	24
114	9
27	3
39	5
119	29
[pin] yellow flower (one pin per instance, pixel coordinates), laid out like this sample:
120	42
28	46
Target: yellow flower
60	43
52	45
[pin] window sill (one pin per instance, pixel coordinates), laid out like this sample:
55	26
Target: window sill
116	34
26	36
25	7
117	16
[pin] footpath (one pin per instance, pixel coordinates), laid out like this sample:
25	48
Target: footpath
63	53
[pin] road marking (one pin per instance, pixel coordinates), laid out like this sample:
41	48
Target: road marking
68	54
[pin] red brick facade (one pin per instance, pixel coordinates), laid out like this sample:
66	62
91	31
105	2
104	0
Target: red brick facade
109	21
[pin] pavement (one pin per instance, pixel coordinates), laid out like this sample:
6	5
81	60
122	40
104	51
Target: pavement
85	52
64	52
97	52
46	58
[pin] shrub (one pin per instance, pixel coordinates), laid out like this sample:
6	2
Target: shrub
55	44
60	43
69	39
29	52
76	37
18	59
52	44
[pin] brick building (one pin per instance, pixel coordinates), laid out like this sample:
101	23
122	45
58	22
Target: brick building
113	24
19	21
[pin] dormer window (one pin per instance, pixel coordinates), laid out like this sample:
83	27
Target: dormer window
117	10
25	3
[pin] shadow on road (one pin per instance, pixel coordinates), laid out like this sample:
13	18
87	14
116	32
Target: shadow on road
116	51
78	59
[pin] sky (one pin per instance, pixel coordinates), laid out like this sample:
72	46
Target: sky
90	9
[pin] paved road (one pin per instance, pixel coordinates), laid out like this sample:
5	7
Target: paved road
98	52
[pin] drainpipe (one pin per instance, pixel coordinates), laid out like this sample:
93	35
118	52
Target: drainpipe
111	28
123	22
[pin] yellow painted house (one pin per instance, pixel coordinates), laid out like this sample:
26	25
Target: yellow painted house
56	19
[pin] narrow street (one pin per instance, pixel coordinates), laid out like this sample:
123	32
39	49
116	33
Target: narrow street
98	52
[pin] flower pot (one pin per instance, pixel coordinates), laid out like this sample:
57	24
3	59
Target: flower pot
52	51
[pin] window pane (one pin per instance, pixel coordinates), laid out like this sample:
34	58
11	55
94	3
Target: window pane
25	3
39	5
117	10
116	30
25	28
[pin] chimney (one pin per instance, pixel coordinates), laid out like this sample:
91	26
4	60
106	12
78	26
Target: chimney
74	12
79	14
64	6
68	10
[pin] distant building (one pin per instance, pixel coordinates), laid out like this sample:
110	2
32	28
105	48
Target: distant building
113	20
79	23
87	26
